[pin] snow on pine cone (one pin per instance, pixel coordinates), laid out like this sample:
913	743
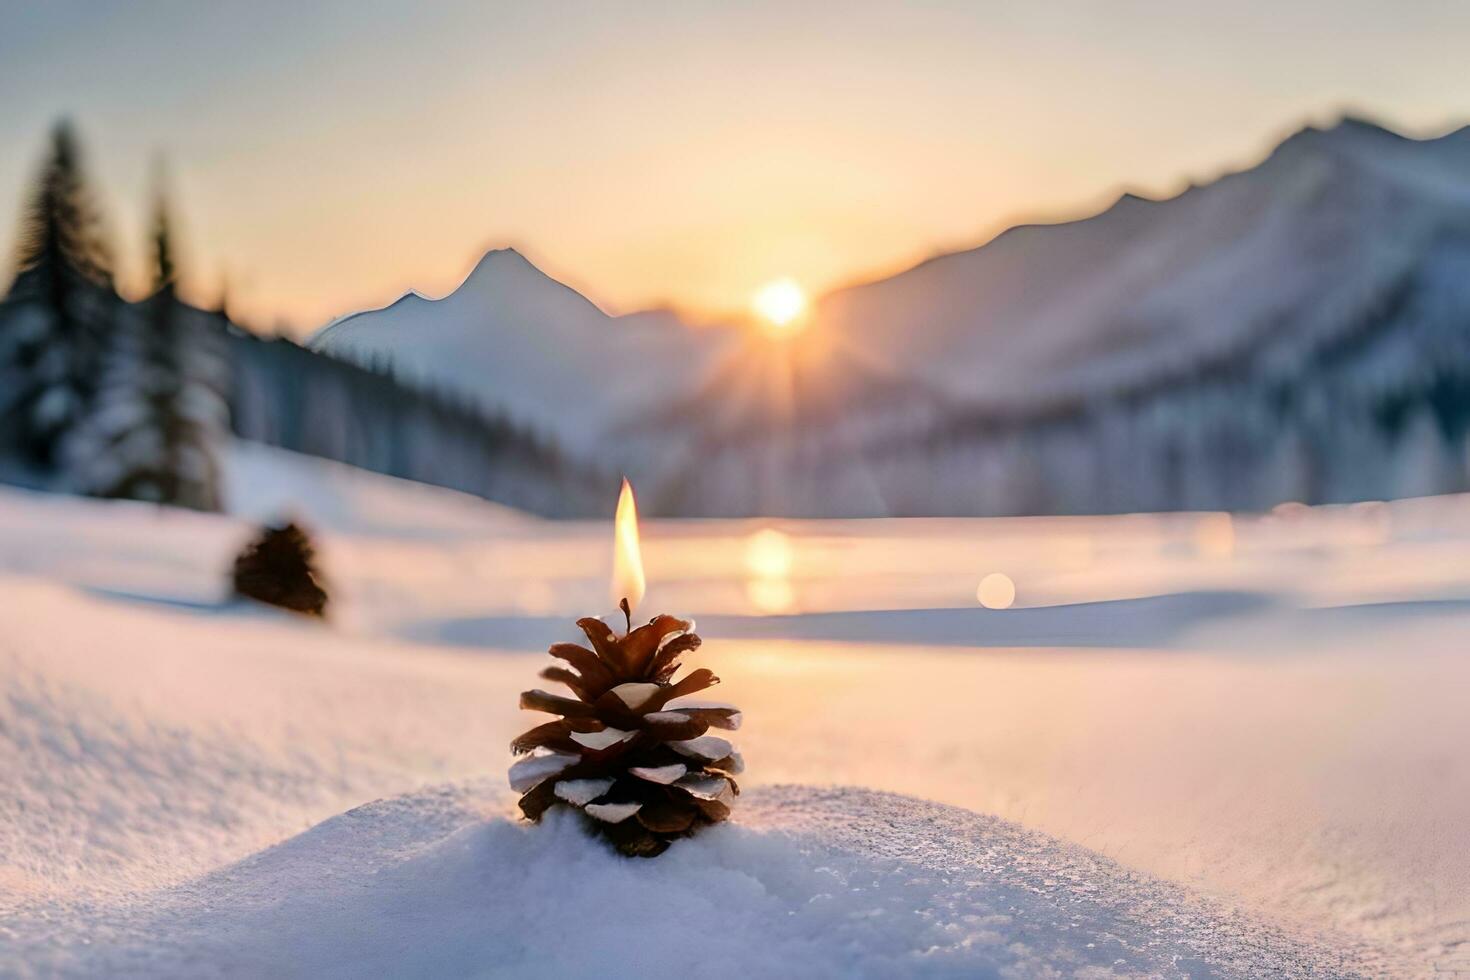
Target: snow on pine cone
625	752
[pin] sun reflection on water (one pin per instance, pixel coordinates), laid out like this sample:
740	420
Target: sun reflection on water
768	554
769	557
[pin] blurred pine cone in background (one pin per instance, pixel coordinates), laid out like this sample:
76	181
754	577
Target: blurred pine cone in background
278	568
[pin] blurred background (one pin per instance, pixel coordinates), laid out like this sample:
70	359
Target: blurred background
943	260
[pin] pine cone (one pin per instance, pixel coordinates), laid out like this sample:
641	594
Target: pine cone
278	568
642	771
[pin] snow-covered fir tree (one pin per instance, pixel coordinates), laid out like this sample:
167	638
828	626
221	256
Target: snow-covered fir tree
158	411
57	314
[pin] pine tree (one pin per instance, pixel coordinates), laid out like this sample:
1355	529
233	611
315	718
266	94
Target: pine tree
59	309
157	411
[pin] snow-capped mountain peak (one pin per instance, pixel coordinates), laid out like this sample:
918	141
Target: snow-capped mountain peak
1045	311
524	344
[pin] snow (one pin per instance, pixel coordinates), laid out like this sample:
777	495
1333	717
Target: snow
707	787
662	775
711	748
1270	780
531	771
599	740
580	792
612	812
814	883
635	695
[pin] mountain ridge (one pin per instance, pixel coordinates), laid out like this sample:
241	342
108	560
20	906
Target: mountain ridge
982	358
488	265
1227	208
556	342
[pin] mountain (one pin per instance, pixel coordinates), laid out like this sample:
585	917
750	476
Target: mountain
644	393
1299	330
1296	331
519	342
1283	254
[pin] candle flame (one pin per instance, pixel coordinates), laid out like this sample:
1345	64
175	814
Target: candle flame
627	578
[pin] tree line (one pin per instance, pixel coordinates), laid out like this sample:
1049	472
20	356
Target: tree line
99	395
114	398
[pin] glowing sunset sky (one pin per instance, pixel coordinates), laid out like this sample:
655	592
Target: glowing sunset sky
330	155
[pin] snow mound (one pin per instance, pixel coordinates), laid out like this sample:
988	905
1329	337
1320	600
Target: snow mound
809	882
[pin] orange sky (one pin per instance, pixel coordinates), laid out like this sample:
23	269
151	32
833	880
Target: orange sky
327	159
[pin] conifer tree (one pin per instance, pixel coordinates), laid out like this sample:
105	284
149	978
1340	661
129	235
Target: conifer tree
58	311
158	411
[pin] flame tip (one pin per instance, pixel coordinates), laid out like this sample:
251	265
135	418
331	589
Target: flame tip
627	581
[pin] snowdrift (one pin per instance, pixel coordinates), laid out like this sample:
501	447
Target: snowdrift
809	882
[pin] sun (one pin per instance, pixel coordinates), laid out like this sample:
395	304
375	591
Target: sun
781	305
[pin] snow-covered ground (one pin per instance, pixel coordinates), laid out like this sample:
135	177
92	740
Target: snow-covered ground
1195	746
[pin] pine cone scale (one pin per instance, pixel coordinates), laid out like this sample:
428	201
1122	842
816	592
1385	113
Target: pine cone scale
724	717
556	705
594	674
563	676
601	636
667	654
553	734
640	646
693	683
668	816
679	728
